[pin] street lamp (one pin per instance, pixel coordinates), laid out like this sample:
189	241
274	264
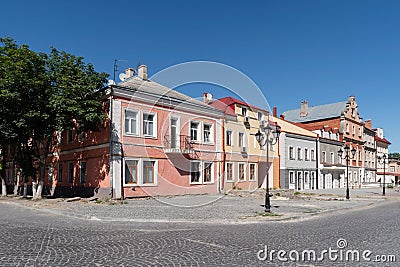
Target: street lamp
272	131
384	172
347	158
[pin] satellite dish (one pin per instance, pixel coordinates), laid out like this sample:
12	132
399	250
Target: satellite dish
111	82
209	96
122	76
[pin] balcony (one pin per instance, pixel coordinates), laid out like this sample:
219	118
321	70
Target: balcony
179	144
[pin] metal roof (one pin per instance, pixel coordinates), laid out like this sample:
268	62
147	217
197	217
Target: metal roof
317	112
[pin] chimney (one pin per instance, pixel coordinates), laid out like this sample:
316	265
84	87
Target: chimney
129	72
208	98
304	109
142	72
282	117
368	124
275	111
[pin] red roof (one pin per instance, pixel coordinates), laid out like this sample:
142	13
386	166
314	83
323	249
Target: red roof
229	110
383	140
231	100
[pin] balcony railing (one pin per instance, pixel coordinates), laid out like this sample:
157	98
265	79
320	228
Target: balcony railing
178	144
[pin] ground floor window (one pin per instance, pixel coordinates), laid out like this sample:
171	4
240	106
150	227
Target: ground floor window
242	176
201	172
291	177
140	171
83	172
59	173
229	171
252	173
70	172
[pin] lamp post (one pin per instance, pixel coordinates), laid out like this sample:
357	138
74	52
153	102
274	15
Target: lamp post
273	129
347	158
384	173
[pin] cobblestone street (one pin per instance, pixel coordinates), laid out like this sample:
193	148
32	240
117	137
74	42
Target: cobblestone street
49	237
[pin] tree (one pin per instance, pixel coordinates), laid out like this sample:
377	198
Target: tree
43	95
394	155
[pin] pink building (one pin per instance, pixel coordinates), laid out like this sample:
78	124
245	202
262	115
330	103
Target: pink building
162	142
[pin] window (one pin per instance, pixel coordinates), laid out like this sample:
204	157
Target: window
148	172
391	168
50	173
323	156
194	131
207	133
312	154
241	139
347	128
70	172
354	130
229	138
252	176
244	111
131	126
83	172
359	155
229	171
60	171
332	158
149	125
299	153
70	135
131	171
242	176
291	177
306	177
207	172
259	116
195	172
306	153
291	153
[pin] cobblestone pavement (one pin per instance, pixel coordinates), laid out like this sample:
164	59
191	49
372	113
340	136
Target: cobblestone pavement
37	237
202	208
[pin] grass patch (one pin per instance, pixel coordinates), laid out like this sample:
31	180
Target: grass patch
267	214
297	193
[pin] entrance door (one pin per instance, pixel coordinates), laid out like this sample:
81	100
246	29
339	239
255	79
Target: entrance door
174	133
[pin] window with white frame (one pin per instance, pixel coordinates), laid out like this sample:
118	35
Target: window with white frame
299	153
131	171
50	172
291	177
229	171
306	178
306	154
312	154
291	152
141	172
59	172
83	172
70	172
229	138
252	172
332	158
194	131
347	128
207	135
241	139
391	169
259	116
323	156
242	172
149	124
131	122
148	171
244	111
195	172
354	130
207	172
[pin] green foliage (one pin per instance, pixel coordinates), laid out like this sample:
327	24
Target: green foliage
44	93
394	155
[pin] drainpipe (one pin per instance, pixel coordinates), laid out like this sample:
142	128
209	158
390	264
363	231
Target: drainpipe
111	143
223	155
316	162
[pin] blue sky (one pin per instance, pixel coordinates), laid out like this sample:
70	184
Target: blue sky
319	51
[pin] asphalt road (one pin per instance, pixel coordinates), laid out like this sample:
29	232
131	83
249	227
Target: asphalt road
30	237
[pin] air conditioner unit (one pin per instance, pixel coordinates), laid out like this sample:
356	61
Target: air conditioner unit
263	123
244	149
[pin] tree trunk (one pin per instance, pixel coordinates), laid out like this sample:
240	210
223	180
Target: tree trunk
39	190
25	189
34	187
3	187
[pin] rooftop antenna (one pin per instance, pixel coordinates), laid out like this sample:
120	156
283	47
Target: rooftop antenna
117	67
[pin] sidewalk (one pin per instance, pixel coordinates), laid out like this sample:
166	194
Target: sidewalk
200	208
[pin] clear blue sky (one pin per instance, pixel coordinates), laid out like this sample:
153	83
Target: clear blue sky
320	51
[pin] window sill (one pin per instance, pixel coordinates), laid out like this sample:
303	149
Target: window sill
242	181
230	181
131	134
